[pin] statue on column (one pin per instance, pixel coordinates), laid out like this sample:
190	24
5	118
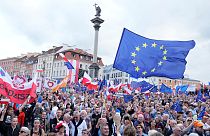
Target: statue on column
98	10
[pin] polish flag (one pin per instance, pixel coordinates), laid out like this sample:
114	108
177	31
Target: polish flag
115	88
39	70
92	86
128	91
16	94
4	101
86	79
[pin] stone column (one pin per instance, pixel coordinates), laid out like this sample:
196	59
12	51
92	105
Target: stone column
94	68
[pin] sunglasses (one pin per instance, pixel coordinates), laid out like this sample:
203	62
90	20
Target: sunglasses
84	132
22	132
36	133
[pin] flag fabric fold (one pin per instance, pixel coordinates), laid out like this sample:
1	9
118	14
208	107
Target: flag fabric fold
66	61
165	89
143	57
128	98
202	113
63	83
16	93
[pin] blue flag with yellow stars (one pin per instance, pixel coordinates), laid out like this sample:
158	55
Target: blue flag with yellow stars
143	57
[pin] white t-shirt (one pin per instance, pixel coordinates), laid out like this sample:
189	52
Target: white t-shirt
206	126
53	112
82	126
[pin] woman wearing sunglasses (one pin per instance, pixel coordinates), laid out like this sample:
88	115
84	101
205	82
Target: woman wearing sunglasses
24	131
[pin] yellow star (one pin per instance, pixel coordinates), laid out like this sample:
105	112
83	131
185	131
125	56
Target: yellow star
137	48
160	63
144	73
164	58
133	61
161	47
165	52
153	70
133	54
137	69
145	45
154	45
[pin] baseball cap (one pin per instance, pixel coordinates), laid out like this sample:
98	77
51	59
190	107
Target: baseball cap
198	124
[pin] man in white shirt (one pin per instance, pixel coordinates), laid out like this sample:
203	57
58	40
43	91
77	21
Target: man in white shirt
206	126
77	124
66	123
54	110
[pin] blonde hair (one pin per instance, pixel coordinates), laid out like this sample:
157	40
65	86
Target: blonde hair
129	131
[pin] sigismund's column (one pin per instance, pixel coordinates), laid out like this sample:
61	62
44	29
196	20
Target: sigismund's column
94	68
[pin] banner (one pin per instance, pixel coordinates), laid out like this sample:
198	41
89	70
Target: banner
17	94
50	84
38	85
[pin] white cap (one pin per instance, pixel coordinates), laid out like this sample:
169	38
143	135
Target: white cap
193	134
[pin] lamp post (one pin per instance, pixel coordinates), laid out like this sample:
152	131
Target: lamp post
94	68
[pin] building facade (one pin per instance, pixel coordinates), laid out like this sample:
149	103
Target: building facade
21	65
82	57
53	65
115	75
172	83
8	65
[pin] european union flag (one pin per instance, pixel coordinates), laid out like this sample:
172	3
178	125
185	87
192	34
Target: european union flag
128	98
165	89
200	97
145	86
135	84
202	113
143	57
102	84
154	89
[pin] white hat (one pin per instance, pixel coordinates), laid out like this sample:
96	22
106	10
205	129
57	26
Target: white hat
25	129
193	134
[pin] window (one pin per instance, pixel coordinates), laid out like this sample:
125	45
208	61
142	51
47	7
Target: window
54	73
49	73
58	65
47	65
80	66
64	72
73	55
61	64
57	73
50	65
87	58
54	64
60	72
86	67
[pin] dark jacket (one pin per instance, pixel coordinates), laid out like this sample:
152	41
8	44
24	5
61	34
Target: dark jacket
8	131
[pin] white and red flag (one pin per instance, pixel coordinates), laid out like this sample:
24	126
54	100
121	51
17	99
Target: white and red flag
49	83
16	94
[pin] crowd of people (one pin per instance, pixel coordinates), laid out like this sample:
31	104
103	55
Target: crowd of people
79	113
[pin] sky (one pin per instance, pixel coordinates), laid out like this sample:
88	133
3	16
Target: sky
37	25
